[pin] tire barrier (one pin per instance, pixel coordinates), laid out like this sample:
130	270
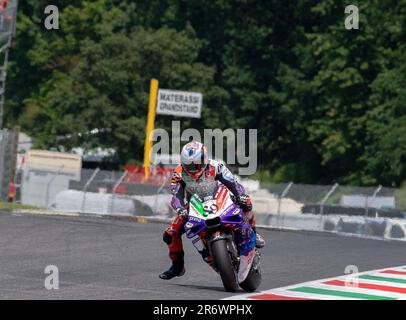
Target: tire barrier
157	206
367	227
109	204
353	211
383	228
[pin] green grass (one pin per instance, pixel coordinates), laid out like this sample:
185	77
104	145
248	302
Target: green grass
13	206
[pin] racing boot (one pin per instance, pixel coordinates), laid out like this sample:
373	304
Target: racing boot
177	268
259	241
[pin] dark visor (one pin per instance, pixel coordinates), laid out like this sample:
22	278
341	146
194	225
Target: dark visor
192	167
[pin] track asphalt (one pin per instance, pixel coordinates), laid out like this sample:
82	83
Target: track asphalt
102	258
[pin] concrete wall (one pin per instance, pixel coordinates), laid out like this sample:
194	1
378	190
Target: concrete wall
40	187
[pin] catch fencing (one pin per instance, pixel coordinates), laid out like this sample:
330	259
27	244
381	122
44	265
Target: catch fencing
365	211
377	211
104	192
336	199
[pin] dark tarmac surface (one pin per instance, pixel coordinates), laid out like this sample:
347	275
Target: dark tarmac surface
101	258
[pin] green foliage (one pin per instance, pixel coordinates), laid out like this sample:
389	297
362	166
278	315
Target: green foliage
99	78
328	103
400	197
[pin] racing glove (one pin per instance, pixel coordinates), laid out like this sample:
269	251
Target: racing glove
182	212
244	201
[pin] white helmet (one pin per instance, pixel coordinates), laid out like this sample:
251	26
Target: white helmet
194	158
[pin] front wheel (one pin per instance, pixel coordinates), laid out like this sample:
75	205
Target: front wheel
254	278
224	263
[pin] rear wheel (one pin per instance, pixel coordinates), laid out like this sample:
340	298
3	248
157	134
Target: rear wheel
224	263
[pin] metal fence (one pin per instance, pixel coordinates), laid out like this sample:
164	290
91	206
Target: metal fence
364	211
124	190
98	192
372	211
332	199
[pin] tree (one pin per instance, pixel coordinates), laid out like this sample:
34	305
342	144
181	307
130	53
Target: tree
328	102
100	78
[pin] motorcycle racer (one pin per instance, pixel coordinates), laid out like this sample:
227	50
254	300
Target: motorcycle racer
196	170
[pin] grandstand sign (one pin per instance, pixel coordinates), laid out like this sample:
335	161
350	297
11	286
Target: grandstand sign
179	103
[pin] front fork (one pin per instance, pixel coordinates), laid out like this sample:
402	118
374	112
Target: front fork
231	245
200	243
203	246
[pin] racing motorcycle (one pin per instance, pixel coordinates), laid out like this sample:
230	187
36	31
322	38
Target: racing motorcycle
222	235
